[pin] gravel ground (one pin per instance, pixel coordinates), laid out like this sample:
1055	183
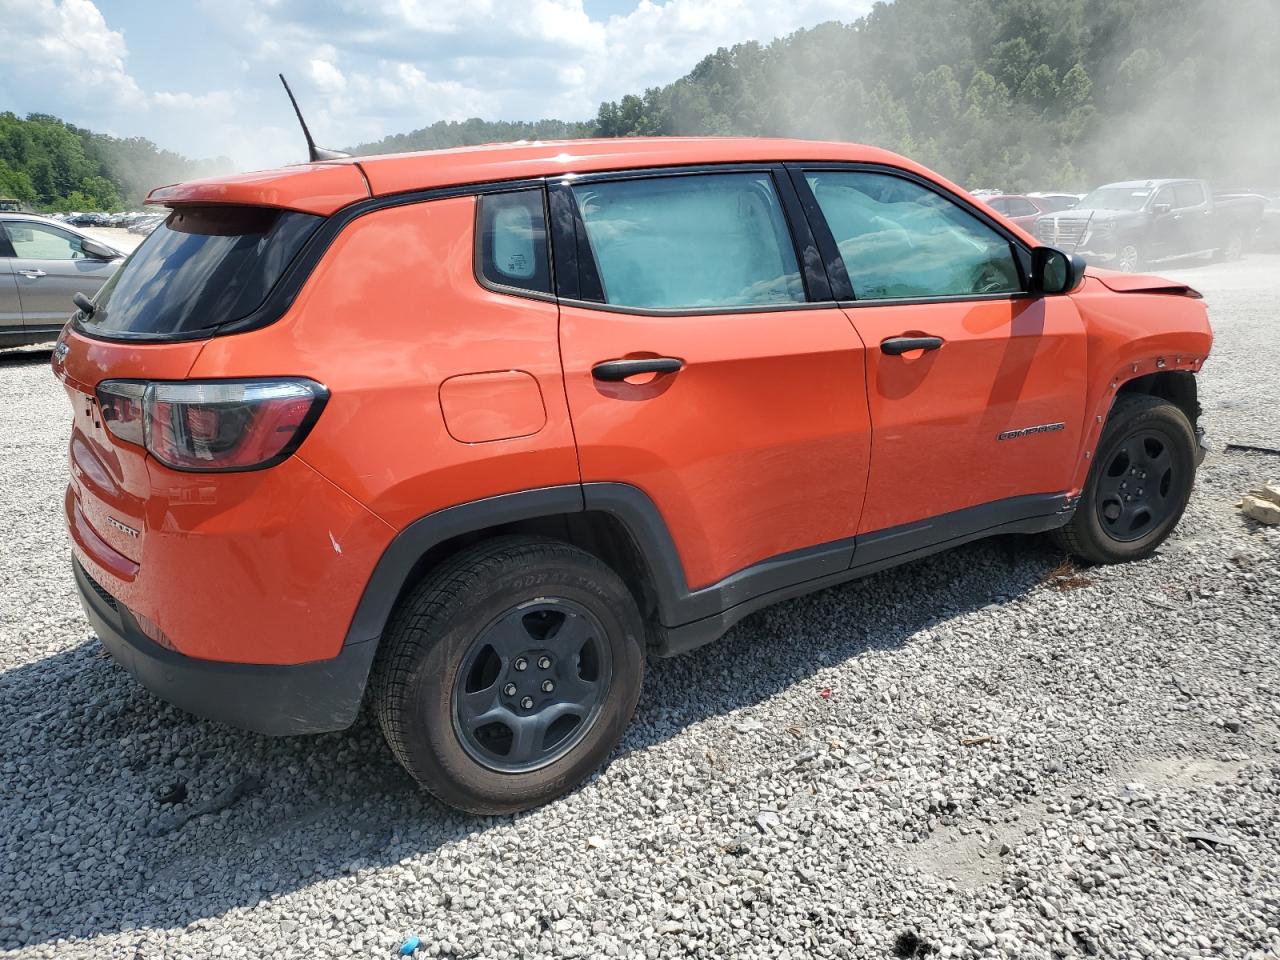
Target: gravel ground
981	754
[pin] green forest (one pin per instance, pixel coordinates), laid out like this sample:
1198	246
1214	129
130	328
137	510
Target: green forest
48	164
1010	94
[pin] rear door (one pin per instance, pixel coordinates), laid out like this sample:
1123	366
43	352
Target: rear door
50	266
976	387
746	420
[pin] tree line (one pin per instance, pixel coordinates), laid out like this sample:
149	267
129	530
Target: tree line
1013	94
48	164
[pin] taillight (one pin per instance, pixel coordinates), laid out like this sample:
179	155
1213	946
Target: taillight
121	404
213	425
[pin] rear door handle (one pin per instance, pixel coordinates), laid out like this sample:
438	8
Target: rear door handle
899	345
33	274
612	371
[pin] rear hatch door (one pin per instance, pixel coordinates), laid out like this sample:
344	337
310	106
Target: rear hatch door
203	267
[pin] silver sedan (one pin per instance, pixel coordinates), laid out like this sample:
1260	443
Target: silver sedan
44	263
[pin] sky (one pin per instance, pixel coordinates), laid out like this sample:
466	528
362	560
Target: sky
199	77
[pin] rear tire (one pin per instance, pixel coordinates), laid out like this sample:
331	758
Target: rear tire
509	674
1139	484
1232	247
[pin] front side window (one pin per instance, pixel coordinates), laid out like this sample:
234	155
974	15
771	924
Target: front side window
35	241
1188	195
703	241
900	240
513	241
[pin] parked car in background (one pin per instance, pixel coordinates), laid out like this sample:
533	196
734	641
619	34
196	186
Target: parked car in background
1022	210
1133	224
43	264
1053	202
437	475
89	219
145	224
10	205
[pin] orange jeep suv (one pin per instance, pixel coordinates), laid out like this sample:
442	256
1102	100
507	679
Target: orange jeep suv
465	434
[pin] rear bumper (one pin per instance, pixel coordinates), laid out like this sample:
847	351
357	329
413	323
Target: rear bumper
277	700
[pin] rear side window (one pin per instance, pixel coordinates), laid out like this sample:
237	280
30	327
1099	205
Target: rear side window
36	241
900	240
202	267
512	238
691	242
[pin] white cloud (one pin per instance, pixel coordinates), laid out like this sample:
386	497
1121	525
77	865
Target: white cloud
69	41
326	76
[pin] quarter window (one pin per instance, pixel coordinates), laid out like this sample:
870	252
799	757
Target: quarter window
513	241
702	241
34	241
900	240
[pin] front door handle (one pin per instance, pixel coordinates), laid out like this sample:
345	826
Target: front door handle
33	274
899	345
612	371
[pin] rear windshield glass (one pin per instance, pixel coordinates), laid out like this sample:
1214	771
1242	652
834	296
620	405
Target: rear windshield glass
202	267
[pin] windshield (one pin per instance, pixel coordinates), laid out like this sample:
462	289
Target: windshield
202	267
1117	198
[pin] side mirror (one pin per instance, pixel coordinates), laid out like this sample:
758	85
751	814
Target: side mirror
99	251
1053	271
1160	209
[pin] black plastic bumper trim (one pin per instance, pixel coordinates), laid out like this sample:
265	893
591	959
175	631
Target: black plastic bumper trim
277	700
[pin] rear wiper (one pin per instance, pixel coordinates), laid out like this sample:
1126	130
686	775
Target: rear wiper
84	303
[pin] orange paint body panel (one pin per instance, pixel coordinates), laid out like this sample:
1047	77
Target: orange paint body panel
483	407
1004	365
767	420
320	188
384	338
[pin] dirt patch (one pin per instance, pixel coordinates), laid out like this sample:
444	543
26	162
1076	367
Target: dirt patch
1183	772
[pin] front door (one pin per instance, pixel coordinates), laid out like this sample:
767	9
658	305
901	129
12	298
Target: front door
745	421
976	388
51	267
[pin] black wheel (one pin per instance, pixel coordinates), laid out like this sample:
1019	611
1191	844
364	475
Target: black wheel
1129	258
1139	483
508	676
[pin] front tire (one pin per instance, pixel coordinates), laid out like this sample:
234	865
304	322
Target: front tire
1129	258
1139	484
509	674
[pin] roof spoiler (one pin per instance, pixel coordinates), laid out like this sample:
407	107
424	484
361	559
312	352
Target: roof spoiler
314	153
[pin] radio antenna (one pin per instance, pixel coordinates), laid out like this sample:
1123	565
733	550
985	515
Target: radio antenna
314	153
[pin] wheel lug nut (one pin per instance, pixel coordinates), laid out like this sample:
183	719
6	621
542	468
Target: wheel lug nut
521	663
509	689
527	703
547	686
544	663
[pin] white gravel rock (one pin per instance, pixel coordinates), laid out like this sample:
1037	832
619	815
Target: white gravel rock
976	755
